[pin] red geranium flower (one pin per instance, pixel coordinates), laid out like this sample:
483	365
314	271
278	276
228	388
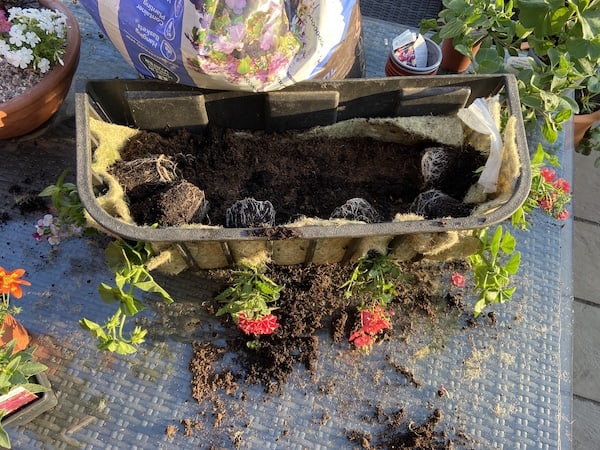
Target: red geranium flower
548	175
563	185
266	324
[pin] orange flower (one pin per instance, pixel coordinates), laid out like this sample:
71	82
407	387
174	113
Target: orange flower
10	282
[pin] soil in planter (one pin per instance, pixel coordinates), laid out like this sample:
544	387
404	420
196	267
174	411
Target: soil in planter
191	178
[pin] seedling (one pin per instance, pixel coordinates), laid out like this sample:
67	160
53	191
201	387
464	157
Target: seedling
128	263
493	267
374	276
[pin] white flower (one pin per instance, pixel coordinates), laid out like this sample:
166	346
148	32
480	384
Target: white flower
43	65
36	38
16	36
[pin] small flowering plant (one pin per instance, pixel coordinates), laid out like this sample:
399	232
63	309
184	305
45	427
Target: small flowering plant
248	301
548	192
67	219
32	38
10	285
374	277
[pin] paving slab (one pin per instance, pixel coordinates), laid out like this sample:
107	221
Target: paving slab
586	417
586	248
586	351
586	186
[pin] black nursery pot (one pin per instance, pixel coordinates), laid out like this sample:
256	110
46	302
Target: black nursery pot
45	402
154	106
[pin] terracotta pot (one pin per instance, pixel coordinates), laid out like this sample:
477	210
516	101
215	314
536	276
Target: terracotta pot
453	61
12	329
394	67
581	124
28	111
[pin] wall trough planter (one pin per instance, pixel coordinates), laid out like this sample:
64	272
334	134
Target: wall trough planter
156	106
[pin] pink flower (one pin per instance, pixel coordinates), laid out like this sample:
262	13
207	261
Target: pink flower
374	321
4	22
563	215
458	280
361	339
546	203
263	325
548	175
563	185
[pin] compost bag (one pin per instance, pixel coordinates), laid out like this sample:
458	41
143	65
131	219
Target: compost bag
249	45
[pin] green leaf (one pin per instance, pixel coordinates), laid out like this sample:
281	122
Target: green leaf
4	438
513	264
96	330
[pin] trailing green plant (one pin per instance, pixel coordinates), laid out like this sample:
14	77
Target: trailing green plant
249	299
128	262
16	370
493	265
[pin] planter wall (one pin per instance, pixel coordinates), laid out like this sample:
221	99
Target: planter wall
28	111
151	105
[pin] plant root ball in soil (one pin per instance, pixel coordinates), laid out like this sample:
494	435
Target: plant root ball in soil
249	213
434	204
173	204
356	209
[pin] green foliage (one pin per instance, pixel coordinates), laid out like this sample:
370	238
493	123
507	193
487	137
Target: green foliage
250	293
65	199
127	261
16	370
493	265
374	276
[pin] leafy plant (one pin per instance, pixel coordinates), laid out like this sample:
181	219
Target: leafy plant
493	265
547	192
70	218
247	301
467	22
374	276
127	261
16	370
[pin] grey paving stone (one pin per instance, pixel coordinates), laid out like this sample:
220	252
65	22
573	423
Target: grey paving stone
586	185
586	417
586	261
586	351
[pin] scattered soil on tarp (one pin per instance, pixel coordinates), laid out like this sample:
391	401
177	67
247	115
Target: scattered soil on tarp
312	306
205	174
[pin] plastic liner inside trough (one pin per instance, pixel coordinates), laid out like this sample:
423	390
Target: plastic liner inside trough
405	110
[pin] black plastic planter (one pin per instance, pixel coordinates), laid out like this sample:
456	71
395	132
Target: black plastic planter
153	105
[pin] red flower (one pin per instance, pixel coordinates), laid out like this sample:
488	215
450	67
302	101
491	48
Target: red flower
563	215
263	325
458	280
563	185
361	339
10	282
374	321
546	203
548	175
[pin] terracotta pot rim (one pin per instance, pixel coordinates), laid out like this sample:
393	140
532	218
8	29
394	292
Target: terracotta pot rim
70	57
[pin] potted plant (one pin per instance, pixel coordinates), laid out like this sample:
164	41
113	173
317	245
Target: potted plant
21	378
586	133
21	383
463	26
43	63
